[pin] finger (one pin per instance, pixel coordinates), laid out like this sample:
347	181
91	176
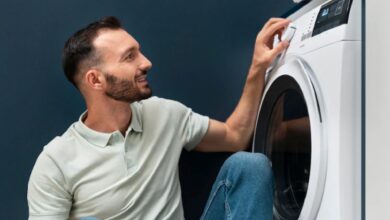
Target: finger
272	21
270	41
274	28
279	48
279	33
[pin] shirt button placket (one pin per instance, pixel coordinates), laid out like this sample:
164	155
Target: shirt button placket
118	142
125	145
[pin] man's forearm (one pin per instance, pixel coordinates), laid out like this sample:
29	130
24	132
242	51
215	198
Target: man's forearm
242	120
235	133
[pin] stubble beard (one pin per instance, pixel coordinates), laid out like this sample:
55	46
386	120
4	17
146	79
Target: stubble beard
125	90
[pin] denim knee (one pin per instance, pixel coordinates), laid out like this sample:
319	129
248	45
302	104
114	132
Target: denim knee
254	165
245	189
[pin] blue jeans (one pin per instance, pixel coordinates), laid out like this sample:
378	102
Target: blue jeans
243	189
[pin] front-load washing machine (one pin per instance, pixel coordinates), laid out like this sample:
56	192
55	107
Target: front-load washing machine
309	120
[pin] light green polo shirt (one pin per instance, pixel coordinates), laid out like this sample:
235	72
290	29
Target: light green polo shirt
111	176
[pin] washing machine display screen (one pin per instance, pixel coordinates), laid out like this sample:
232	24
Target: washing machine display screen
331	15
284	135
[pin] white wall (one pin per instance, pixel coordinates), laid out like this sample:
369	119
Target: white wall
377	109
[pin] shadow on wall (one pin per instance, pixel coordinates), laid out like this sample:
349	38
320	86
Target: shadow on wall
200	50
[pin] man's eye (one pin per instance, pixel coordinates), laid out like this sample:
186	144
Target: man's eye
130	56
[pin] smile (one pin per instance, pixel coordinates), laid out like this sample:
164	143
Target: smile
141	79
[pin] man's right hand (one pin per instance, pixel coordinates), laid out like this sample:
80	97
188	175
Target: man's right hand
264	52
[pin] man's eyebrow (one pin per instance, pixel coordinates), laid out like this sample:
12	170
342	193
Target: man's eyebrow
127	51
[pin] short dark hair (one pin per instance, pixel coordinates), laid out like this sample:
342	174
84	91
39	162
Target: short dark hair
79	47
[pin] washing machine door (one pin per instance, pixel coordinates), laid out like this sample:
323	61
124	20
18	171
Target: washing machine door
290	131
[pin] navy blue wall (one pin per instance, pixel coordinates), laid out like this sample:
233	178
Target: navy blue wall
200	50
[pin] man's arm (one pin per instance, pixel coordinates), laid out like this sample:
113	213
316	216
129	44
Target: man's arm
47	195
234	134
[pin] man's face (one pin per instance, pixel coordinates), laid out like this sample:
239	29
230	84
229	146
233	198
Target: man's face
123	65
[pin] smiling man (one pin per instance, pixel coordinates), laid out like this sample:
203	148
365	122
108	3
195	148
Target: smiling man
120	159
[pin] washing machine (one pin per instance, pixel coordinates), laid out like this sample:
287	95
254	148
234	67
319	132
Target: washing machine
309	119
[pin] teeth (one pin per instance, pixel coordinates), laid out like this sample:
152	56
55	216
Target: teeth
142	78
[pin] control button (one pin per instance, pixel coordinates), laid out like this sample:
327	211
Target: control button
289	33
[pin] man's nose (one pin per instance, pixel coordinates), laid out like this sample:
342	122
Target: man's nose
145	63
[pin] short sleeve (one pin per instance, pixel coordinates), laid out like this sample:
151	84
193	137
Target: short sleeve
47	195
174	120
194	127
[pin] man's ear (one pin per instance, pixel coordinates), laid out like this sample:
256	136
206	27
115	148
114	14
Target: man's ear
94	79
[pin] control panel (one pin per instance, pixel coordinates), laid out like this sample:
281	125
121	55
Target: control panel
321	25
331	15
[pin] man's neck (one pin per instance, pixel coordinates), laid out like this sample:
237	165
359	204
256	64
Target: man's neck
108	117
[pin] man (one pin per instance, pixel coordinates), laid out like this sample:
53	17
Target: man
120	160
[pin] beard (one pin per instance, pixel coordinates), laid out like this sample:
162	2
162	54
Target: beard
126	90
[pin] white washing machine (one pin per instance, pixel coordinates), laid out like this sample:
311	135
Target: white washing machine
309	120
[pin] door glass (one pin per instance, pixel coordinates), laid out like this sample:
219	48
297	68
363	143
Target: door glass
288	144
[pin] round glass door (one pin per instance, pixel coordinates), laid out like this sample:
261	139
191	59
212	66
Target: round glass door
283	133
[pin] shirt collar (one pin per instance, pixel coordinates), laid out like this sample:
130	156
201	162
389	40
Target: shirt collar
136	119
101	139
